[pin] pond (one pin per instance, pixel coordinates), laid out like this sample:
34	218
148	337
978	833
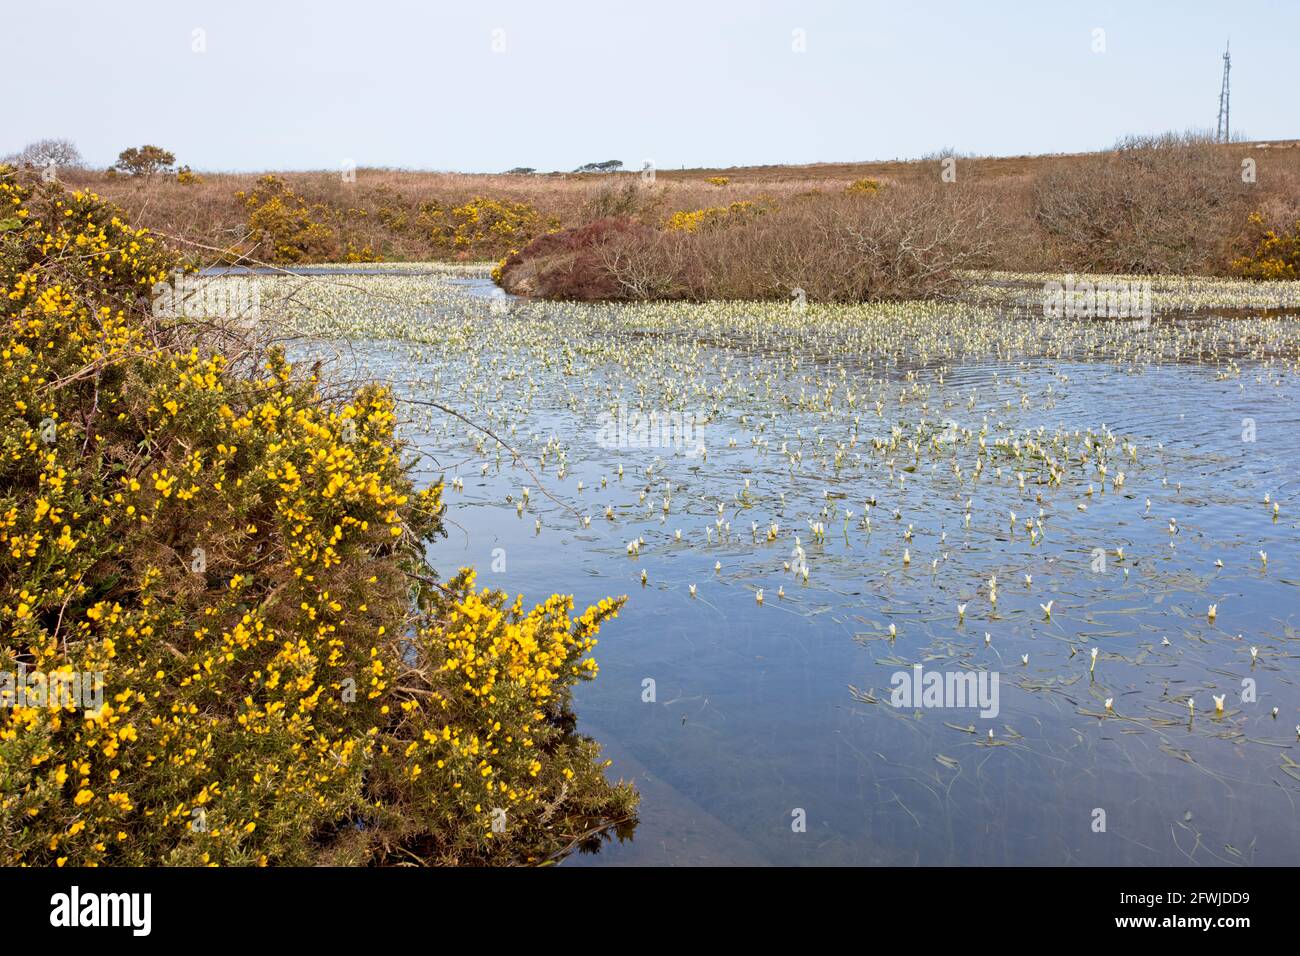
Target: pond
1093	522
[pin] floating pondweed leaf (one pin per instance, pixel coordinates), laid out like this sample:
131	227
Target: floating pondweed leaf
867	696
1290	767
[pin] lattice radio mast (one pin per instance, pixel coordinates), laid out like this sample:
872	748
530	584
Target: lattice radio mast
1222	134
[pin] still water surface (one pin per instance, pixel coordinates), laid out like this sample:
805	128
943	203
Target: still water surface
739	719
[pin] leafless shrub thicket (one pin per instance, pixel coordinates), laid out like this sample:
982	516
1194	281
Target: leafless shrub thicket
1170	203
841	248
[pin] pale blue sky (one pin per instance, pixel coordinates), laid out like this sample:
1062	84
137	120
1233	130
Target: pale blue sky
310	85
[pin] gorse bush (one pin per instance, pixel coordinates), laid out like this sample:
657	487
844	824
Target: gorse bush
241	560
483	227
1275	252
866	187
715	217
285	226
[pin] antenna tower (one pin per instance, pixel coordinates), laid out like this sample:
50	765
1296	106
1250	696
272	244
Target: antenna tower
1222	133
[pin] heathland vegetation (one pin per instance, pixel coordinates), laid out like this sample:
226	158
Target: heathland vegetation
232	553
1174	204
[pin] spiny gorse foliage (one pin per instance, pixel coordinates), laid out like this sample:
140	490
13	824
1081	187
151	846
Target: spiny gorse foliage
284	681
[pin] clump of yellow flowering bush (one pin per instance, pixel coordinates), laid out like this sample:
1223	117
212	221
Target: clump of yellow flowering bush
285	225
1276	252
483	226
866	187
240	564
692	221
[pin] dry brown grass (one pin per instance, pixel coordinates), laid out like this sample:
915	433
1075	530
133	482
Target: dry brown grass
380	210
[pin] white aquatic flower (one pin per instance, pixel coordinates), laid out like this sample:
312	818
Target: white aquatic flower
1029	579
692	590
1213	612
644	576
717	565
893	630
758	596
1254	653
907	556
1218	702
988	638
1047	609
1024	659
961	610
1110	701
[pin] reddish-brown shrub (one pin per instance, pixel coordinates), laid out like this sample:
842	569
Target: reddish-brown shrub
572	264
